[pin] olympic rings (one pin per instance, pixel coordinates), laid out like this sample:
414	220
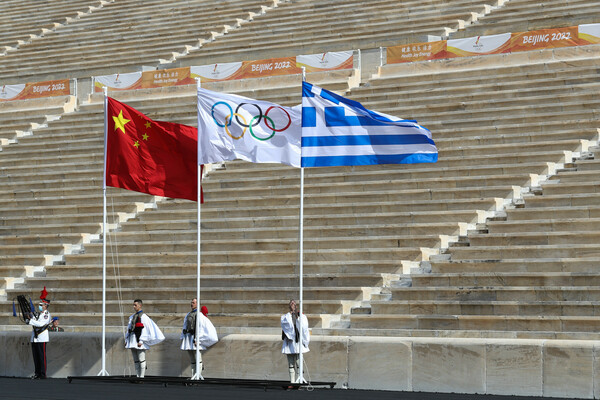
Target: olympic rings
273	128
266	118
212	112
255	121
260	114
244	131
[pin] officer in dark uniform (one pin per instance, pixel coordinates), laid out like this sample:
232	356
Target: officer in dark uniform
54	325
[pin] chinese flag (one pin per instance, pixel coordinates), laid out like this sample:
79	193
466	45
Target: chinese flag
154	157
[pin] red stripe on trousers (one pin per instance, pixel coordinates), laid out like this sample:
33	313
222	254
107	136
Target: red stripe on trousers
44	349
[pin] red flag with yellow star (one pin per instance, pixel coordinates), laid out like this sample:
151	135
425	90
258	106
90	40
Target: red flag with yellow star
153	157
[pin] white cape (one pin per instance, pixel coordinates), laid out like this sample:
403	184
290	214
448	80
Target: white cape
289	346
151	334
207	335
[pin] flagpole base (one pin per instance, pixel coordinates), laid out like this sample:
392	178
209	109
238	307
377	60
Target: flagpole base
103	373
197	377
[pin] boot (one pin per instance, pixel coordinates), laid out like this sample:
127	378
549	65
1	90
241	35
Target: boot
142	369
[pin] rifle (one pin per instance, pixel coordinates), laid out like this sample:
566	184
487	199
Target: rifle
26	307
27	313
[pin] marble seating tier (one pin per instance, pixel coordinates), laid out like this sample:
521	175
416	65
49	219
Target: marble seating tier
73	49
533	269
367	228
20	20
307	26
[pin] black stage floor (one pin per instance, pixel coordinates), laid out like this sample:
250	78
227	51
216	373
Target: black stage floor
61	389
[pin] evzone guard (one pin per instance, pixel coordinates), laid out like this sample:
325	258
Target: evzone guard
205	337
142	333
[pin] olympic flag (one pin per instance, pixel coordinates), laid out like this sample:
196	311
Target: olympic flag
236	127
338	131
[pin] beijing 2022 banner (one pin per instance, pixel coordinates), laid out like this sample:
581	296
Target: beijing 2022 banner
496	44
25	91
329	61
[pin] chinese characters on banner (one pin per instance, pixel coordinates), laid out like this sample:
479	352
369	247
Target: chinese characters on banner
416	52
145	80
496	44
481	45
167	77
227	71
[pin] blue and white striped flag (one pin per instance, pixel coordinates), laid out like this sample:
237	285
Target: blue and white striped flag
338	131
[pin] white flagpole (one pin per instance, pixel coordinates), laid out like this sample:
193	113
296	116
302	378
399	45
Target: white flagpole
198	374
103	372
301	251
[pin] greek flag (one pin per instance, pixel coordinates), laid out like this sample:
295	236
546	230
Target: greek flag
338	131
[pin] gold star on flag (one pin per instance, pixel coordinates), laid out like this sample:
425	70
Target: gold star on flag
136	144
145	136
148	124
120	121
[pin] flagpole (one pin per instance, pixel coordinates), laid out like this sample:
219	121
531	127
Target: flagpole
301	251
103	372
198	374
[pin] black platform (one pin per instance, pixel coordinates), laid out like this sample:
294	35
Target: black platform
171	380
111	388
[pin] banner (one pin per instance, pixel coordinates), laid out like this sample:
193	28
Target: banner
36	90
216	72
589	33
275	66
247	69
129	81
326	61
10	92
270	67
167	77
496	44
416	52
480	45
227	71
544	39
145	80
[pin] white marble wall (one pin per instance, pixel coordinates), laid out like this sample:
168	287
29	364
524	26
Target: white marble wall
550	368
